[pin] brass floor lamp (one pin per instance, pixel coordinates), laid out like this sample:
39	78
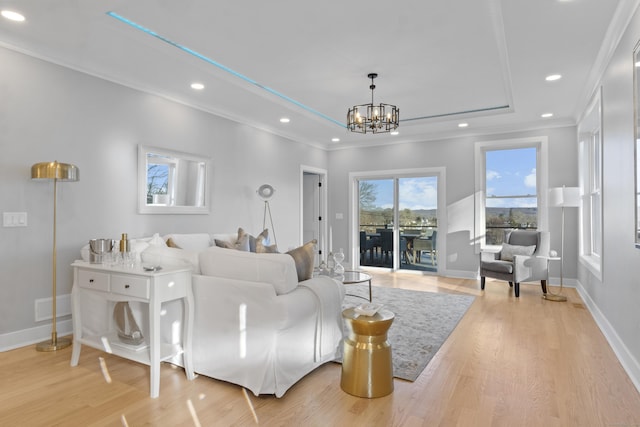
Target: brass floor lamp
562	197
56	172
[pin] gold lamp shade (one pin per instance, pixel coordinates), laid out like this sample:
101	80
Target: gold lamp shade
54	171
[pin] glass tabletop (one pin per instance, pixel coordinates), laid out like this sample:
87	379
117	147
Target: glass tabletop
355	277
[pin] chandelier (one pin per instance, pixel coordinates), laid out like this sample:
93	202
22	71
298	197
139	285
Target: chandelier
373	118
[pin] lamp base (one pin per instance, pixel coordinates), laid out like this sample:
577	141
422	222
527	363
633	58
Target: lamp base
554	297
53	345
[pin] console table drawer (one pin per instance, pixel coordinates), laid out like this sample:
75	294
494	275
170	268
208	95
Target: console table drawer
129	285
93	280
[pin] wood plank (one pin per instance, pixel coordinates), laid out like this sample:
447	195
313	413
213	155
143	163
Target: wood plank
509	362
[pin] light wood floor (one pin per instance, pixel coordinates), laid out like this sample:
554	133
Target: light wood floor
510	362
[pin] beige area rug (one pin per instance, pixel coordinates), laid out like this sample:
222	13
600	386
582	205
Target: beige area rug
422	323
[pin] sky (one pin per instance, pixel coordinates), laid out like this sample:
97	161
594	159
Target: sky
509	173
415	193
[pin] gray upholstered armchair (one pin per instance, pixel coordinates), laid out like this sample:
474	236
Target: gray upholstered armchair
518	260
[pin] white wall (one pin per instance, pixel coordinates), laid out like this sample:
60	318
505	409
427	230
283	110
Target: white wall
457	157
51	113
614	299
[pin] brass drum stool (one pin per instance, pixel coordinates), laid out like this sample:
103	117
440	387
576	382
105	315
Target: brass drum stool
367	367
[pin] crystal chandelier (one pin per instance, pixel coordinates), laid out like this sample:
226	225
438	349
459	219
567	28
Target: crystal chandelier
373	118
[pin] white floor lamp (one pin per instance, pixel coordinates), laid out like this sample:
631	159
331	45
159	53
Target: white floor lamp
54	171
562	197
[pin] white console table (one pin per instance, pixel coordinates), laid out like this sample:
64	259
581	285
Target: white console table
110	284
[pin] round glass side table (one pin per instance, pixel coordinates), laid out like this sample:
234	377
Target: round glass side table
351	277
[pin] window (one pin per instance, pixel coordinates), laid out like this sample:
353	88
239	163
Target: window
511	199
161	174
511	182
590	146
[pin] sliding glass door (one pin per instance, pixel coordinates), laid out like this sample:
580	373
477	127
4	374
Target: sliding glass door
398	222
418	222
376	216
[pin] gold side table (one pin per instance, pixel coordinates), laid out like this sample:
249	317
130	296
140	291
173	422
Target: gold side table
367	366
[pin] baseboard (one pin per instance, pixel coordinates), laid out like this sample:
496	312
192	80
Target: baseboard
628	362
459	274
35	335
567	283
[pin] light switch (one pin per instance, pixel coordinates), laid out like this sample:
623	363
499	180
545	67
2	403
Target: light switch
14	219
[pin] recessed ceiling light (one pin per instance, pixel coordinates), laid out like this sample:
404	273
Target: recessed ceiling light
553	77
13	16
395	132
335	139
285	120
546	115
463	125
197	86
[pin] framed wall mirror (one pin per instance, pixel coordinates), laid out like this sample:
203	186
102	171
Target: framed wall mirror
636	118
172	182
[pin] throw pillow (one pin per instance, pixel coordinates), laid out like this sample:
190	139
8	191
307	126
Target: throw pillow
262	238
166	256
224	244
156	240
509	251
242	244
304	259
172	244
190	241
262	243
262	248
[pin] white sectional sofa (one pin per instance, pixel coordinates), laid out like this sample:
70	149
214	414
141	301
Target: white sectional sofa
255	324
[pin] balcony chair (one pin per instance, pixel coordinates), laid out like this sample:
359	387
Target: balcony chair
518	259
365	245
404	251
386	244
426	244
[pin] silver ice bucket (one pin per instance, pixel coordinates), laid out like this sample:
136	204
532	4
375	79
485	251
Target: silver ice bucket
98	248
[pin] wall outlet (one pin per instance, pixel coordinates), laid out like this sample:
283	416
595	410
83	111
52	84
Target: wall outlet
14	219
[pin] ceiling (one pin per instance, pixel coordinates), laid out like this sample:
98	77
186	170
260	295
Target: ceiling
442	62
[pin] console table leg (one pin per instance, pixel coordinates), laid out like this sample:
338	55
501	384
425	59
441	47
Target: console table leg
154	347
188	336
77	327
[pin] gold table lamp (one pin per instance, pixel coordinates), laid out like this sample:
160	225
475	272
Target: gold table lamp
57	172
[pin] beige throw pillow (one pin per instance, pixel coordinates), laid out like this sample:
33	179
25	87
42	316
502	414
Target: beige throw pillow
261	246
253	241
172	244
304	259
241	243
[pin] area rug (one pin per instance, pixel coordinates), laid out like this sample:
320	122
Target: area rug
422	323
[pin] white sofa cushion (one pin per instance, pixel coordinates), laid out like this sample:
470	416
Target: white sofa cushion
165	256
279	270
